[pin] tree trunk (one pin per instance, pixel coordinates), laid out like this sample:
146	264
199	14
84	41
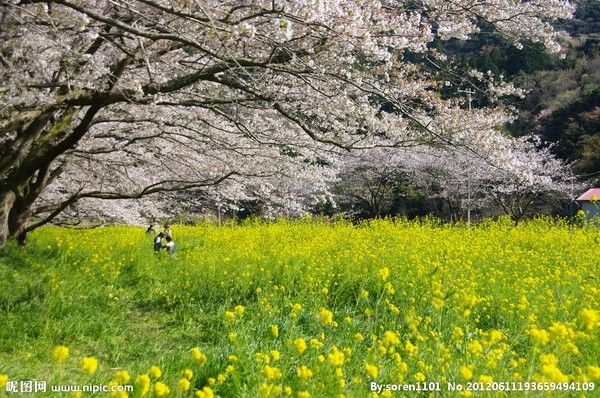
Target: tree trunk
25	167
18	218
7	199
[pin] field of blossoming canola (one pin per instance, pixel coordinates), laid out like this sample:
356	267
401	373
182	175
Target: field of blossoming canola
303	309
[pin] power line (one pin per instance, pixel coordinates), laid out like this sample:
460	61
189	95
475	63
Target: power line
589	174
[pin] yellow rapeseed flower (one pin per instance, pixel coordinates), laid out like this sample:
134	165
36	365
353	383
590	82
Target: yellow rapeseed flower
393	309
304	372
161	389
589	318
548	359
315	343
300	345
570	347
437	302
275	330
143	383
155	372
303	394
264	358
296	308
550	369
3	380
239	309
465	373
188	373
275	355
325	316
266	390
336	357
486	379
389	288
198	356
89	365
206	392
184	384
372	370
457	333
60	353
559	331
475	348
593	372
384	273
271	372
494	336
539	336
410	348
390	338
122	377
229	315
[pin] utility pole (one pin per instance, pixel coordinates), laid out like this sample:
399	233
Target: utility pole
572	178
469	95
469	202
470	99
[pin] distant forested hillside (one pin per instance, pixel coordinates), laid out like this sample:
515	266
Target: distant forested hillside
563	100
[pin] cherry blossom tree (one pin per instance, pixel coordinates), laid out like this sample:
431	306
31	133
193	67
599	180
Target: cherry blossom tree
369	181
535	175
528	173
127	98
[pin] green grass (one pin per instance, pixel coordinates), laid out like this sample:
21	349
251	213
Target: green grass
104	293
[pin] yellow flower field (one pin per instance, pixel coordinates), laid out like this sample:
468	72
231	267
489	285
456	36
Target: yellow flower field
306	309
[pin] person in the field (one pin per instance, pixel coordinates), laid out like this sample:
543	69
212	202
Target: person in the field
158	242
170	245
167	232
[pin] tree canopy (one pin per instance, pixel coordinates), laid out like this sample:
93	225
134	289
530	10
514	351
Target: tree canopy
122	99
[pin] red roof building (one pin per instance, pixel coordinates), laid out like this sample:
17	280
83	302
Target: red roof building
590	202
590	195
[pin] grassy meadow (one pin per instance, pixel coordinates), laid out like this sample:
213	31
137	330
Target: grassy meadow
303	309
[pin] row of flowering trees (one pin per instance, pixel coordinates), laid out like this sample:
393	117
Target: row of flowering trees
464	180
370	183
